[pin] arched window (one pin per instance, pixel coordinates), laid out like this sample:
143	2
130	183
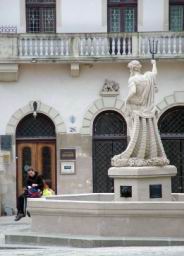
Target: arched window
41	16
39	127
122	15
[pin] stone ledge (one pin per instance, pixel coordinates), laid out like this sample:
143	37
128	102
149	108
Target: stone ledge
140	172
87	241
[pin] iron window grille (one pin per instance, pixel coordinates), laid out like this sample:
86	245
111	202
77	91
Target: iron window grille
122	16
171	126
109	139
41	127
176	15
41	16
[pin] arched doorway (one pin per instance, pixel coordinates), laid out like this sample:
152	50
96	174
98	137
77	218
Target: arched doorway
36	147
109	139
171	126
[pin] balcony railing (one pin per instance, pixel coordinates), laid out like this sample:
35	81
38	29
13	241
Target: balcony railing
169	44
75	45
90	47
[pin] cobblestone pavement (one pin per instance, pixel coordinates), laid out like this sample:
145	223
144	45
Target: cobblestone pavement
117	251
7	224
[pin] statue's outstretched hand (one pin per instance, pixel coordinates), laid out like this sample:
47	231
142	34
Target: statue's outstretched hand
153	62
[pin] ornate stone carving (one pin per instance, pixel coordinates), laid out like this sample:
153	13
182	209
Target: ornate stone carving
110	87
145	147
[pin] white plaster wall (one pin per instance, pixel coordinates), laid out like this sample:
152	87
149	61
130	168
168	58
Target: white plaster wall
80	16
151	15
73	16
85	16
9	13
53	85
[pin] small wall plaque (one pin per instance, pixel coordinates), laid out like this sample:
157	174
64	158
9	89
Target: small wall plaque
67	154
6	158
6	142
67	167
155	191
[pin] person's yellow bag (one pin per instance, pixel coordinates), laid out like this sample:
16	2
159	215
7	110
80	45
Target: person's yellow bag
48	192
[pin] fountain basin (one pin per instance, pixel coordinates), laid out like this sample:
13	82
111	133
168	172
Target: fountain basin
99	215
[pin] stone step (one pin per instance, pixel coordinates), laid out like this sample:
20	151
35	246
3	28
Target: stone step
86	242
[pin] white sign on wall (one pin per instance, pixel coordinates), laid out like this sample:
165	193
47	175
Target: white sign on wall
67	167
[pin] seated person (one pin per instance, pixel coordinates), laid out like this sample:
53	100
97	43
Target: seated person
34	180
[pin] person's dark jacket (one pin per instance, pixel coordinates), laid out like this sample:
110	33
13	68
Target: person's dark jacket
36	179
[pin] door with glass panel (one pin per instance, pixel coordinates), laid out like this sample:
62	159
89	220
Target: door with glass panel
41	156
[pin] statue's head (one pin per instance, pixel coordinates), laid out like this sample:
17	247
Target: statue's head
134	65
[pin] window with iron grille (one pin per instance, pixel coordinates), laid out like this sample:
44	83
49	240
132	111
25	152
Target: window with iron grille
176	15
39	127
122	15
41	16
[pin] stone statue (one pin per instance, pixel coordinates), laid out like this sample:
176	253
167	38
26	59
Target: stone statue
145	147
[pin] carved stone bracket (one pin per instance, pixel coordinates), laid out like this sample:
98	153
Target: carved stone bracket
8	72
75	69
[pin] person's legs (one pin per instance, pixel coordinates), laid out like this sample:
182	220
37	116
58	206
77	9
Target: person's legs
20	207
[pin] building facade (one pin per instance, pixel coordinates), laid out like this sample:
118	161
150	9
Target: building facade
63	84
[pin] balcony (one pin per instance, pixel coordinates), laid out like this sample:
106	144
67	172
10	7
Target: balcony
69	48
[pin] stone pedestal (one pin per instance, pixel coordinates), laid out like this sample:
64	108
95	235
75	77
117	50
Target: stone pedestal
142	183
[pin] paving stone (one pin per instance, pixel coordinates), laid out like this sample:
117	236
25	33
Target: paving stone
64	251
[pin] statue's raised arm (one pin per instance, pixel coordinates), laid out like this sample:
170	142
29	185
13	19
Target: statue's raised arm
154	68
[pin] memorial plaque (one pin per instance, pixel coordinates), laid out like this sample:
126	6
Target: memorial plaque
67	154
6	142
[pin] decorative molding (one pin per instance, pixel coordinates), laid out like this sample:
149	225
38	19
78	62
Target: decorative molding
53	114
175	99
140	15
104	13
98	106
58	16
166	15
22	4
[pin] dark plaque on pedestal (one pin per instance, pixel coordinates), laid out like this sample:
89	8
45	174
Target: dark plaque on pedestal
156	191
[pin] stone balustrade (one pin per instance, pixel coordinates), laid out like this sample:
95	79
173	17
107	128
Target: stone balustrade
88	47
77	45
169	44
44	46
